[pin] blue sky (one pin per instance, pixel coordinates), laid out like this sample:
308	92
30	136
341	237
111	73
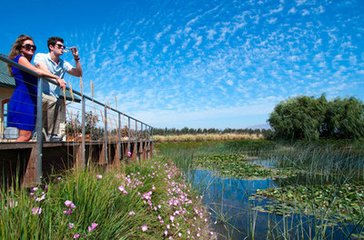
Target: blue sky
202	63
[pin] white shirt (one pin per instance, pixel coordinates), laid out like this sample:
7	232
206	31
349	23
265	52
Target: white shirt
57	69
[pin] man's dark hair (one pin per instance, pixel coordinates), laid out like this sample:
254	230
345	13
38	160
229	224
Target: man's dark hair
53	40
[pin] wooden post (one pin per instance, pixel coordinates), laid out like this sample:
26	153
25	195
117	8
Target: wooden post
105	136
102	155
117	157
31	177
128	149
135	149
151	143
77	153
119	137
141	149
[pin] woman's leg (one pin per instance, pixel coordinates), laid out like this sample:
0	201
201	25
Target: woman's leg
24	136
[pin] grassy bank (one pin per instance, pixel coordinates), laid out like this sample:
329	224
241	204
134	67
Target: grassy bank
206	137
147	200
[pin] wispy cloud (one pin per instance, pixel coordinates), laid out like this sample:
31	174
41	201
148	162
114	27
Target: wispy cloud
196	66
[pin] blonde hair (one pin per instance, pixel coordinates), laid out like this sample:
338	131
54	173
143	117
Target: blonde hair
15	49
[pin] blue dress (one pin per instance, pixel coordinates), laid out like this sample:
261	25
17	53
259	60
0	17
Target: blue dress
22	107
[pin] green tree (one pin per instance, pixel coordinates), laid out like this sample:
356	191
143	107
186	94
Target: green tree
298	118
309	118
345	119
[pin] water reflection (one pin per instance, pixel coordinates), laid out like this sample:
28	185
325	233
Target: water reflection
233	216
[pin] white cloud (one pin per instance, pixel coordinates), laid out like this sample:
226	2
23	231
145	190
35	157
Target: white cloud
165	49
210	34
300	2
212	64
305	12
292	10
277	10
272	20
338	57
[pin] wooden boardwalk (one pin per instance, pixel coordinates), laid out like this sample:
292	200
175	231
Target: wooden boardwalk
18	160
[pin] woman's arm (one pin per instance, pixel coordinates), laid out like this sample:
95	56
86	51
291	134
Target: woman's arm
44	73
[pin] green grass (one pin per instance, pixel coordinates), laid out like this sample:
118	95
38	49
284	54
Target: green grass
118	215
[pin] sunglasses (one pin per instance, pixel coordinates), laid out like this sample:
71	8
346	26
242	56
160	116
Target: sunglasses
29	47
60	46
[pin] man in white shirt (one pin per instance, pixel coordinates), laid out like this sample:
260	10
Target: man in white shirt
54	109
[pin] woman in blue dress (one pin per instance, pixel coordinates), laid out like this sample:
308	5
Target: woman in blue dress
23	103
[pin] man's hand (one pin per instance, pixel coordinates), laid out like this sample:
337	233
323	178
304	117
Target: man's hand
74	53
62	83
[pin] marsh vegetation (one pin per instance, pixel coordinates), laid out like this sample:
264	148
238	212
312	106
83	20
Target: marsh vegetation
263	189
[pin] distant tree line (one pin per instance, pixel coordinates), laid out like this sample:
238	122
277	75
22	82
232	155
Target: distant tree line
186	130
312	118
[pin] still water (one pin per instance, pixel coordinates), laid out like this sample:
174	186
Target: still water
233	216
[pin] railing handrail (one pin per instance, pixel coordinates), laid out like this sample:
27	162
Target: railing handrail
6	59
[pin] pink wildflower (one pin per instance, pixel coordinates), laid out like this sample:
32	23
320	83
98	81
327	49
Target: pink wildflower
92	227
129	154
99	176
68	211
128	180
76	236
122	189
38	199
171	218
147	195
70	204
36	210
71	225
131	213
144	228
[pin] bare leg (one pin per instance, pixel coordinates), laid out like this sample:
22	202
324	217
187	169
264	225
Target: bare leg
24	136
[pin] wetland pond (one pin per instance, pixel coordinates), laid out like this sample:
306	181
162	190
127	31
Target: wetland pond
236	215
